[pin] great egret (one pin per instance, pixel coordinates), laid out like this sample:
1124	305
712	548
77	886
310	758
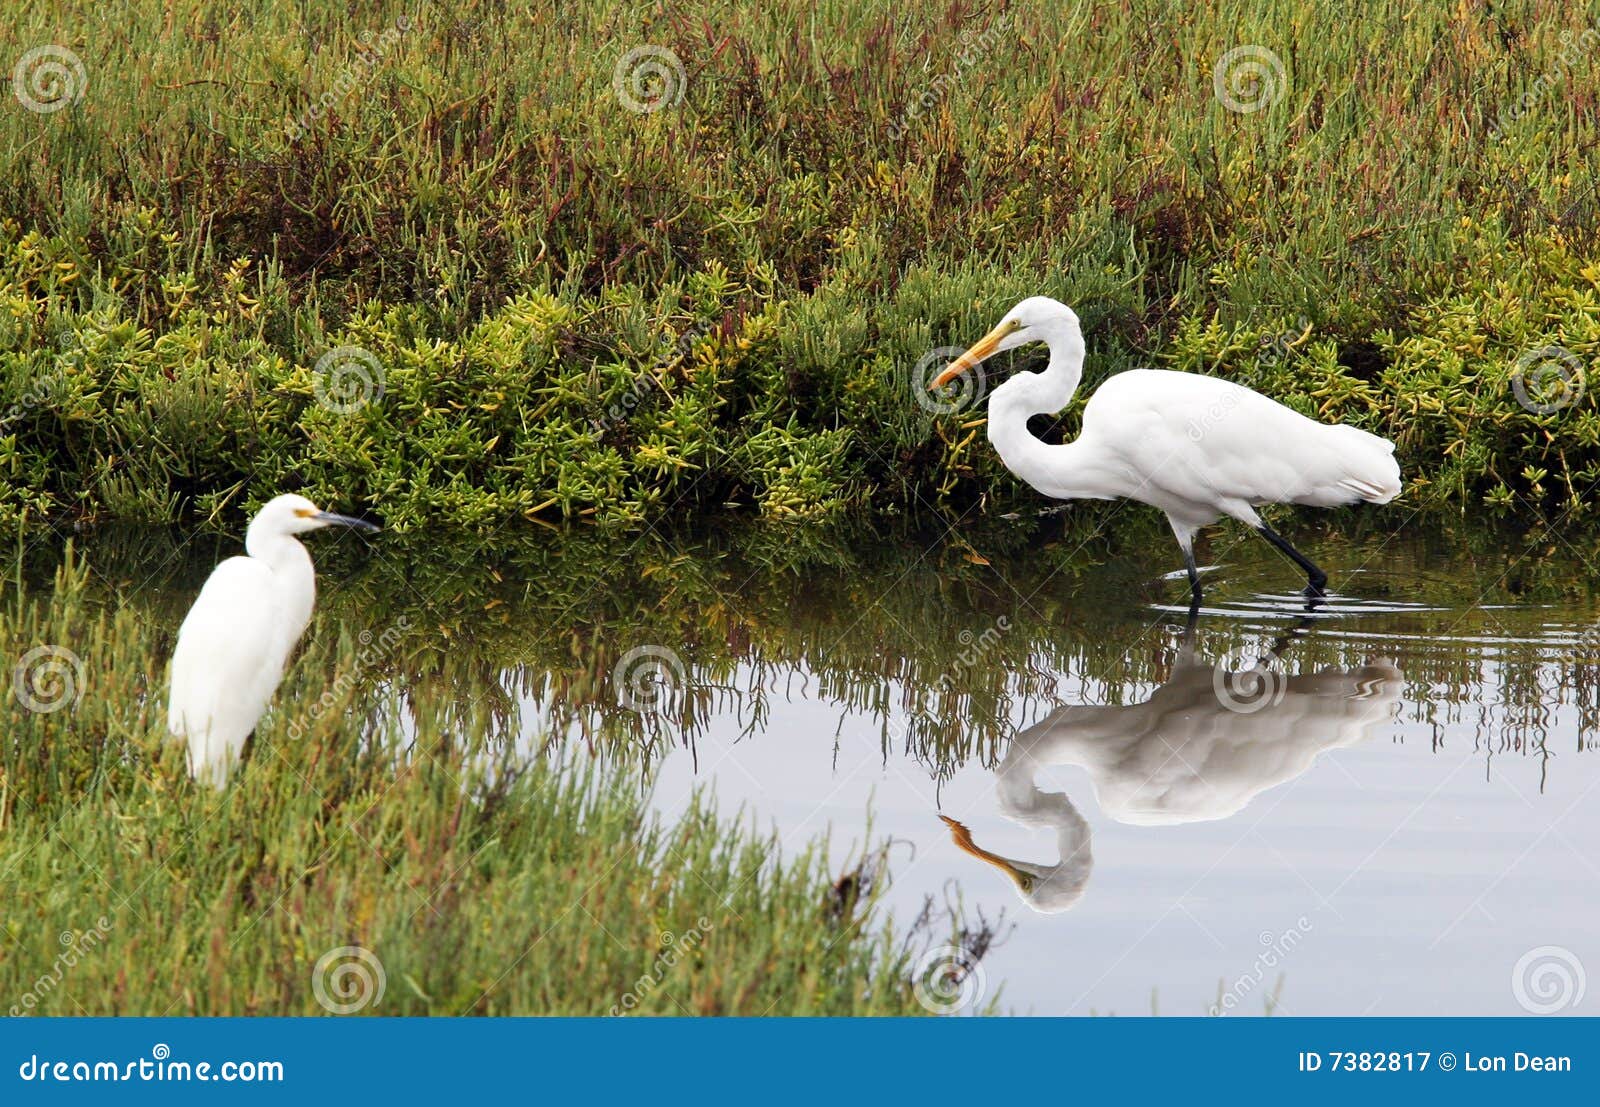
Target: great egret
1206	743
1196	447
235	641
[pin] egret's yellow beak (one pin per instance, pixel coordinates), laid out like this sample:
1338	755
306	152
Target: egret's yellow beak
984	349
962	837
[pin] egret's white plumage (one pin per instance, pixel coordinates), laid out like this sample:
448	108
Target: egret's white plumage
1206	743
1196	447
235	641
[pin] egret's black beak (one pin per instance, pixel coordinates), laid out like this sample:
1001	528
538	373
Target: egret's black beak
333	520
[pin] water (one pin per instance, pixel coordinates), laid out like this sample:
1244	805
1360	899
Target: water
1385	806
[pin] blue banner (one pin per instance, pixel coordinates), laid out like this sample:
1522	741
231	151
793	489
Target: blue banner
796	1060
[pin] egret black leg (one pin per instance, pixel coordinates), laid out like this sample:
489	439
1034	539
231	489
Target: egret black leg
1194	580
1316	579
1294	633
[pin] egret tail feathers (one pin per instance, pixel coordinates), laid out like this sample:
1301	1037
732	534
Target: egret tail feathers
1372	473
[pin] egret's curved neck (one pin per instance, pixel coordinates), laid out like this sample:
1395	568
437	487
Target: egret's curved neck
1029	394
292	570
289	561
1058	886
277	549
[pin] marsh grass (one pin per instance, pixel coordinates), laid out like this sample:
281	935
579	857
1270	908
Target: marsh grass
582	311
941	647
463	798
481	884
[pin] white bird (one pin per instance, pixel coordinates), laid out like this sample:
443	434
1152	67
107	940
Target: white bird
235	641
1196	447
1206	743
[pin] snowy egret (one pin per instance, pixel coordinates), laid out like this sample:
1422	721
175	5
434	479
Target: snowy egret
235	641
1206	743
1196	447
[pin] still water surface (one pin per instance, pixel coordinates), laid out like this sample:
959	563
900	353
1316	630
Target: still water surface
1383	819
1385	807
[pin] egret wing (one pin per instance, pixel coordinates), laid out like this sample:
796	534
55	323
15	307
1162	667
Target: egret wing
1210	441
228	662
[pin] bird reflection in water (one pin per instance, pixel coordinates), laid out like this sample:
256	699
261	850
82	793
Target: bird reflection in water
1206	742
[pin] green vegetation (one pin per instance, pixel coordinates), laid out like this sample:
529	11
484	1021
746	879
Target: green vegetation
398	797
580	310
938	648
481	884
424	261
